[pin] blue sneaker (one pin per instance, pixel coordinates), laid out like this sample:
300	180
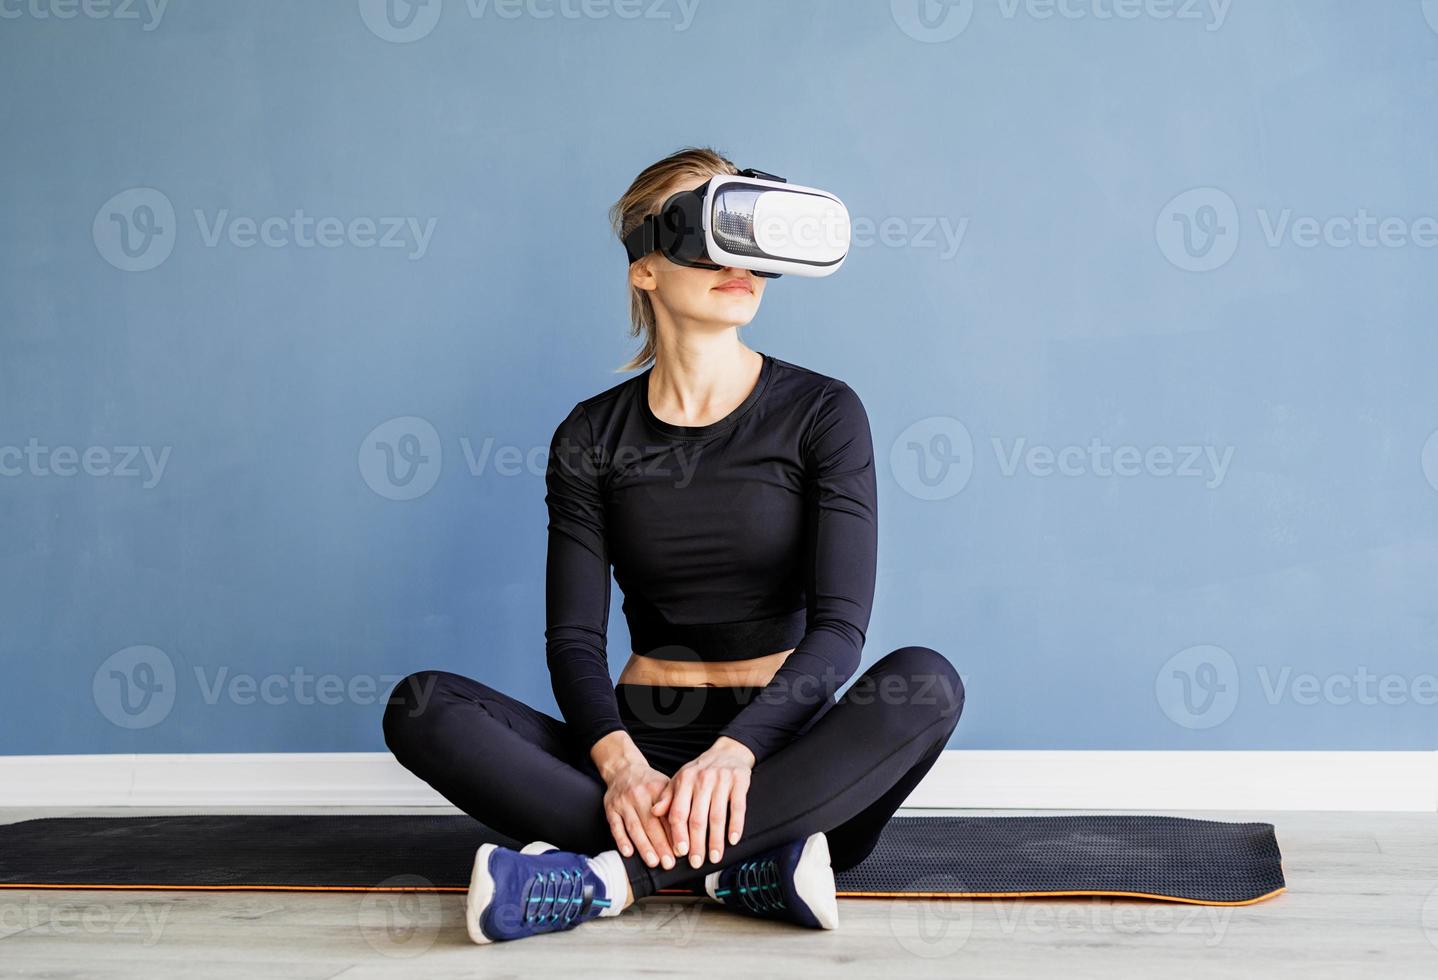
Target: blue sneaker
514	894
793	882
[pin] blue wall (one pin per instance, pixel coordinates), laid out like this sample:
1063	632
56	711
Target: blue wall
1141	306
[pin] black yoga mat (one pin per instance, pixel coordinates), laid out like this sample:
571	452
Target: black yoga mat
1179	859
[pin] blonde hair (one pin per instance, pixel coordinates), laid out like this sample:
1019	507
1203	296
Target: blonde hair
643	198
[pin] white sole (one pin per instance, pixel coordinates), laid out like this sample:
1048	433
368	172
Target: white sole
481	893
814	881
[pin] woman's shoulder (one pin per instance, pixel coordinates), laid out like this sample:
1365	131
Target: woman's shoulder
822	390
589	413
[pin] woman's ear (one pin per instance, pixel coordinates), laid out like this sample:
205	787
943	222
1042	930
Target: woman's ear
641	275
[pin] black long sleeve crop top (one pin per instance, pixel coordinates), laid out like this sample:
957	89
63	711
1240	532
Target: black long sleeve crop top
733	540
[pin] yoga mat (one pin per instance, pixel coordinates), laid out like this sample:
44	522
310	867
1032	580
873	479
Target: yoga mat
1180	859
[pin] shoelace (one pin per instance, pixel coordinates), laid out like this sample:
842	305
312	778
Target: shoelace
558	897
757	884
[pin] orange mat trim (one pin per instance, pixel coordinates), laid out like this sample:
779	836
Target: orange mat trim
662	891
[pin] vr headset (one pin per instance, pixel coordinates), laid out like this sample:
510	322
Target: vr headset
749	220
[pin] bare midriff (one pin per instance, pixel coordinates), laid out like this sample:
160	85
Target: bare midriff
754	672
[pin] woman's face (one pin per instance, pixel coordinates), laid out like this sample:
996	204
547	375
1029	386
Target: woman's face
701	297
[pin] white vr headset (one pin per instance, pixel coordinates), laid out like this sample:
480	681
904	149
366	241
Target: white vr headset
749	220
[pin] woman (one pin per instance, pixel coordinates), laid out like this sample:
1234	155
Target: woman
734	494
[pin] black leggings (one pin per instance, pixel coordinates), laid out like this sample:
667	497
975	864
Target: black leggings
518	770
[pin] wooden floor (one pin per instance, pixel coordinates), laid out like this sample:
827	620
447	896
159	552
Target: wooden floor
1362	901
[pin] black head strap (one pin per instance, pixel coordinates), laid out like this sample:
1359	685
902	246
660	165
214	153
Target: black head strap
645	237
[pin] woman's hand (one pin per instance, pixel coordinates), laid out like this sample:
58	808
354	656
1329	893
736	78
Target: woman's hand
704	794
633	788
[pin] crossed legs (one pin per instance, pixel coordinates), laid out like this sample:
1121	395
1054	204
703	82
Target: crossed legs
514	769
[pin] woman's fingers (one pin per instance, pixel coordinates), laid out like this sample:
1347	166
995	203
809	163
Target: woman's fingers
654	828
718	810
616	827
738	806
658	808
683	784
699	816
635	826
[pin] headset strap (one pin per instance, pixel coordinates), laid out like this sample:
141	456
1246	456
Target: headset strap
643	239
645	236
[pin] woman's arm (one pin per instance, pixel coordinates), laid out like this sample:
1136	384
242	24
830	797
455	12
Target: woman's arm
577	584
840	564
576	638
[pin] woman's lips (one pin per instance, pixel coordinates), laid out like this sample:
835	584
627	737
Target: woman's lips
734	286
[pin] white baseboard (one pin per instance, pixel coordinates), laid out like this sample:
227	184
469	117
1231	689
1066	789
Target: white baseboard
1079	780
